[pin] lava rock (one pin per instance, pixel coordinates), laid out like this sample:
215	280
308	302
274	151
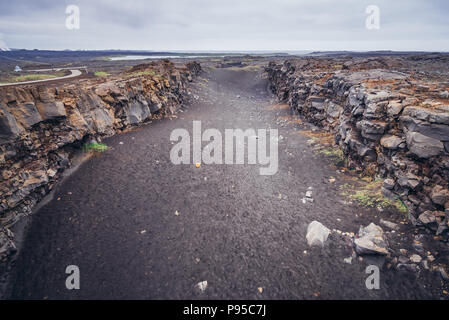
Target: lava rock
317	234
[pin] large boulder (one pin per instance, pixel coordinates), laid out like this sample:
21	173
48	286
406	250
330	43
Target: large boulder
137	112
26	114
51	110
433	130
372	130
316	234
423	146
439	114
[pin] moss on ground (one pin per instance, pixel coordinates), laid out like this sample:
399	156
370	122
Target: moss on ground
369	194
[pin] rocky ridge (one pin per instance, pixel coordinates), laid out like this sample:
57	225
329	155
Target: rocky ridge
390	120
41	127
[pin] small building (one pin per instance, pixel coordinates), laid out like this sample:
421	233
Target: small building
17	69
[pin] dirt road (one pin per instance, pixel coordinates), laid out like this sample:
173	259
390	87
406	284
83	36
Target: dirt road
139	227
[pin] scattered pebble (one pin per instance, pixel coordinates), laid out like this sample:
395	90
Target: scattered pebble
415	258
202	286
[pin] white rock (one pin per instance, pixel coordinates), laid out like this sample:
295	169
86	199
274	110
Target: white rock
316	234
348	260
415	258
202	286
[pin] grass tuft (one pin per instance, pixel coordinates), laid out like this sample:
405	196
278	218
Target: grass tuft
95	147
370	195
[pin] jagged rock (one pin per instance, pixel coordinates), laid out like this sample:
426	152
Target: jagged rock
394	108
27	114
439	195
9	128
372	130
371	241
316	234
137	112
433	130
389	224
389	184
439	114
409	180
391	142
333	110
430	217
51	110
423	146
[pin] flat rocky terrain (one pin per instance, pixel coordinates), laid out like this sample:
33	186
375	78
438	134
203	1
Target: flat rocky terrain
362	181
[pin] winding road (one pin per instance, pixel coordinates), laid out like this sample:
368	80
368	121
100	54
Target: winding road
73	74
140	227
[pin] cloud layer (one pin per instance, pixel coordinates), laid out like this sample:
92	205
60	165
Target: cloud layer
226	25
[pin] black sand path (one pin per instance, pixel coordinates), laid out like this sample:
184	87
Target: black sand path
237	230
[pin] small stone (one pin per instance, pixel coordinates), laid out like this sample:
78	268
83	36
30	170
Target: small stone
176	213
260	289
348	260
415	258
407	267
316	234
202	286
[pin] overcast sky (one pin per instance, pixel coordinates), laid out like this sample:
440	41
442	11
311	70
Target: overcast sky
226	25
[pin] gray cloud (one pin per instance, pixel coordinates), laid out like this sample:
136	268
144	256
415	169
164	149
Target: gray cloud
226	25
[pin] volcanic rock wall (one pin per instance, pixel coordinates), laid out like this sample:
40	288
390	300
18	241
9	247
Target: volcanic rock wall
41	127
389	123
